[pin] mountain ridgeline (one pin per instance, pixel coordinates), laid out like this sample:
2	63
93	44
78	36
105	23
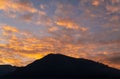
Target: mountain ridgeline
6	69
57	65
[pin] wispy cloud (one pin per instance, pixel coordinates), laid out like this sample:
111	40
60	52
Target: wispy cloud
17	6
69	24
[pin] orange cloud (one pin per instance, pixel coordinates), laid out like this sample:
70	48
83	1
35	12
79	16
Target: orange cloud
70	24
112	9
67	24
95	2
31	48
10	29
115	1
23	10
52	29
22	49
16	6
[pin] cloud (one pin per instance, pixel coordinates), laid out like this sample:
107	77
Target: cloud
21	9
112	9
64	10
115	60
18	46
17	6
69	24
96	3
87	30
21	49
27	17
52	29
9	29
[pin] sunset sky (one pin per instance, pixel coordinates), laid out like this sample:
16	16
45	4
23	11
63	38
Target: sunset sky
31	29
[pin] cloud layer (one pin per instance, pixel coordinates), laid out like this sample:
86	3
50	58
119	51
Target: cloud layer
83	29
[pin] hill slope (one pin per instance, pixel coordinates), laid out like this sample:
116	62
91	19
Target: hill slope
5	69
57	65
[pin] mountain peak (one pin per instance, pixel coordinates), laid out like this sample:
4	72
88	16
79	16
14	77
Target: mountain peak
60	65
56	56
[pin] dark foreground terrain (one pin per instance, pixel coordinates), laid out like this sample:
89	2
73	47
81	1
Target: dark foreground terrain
60	66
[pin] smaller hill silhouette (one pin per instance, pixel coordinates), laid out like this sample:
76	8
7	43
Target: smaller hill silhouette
5	69
57	65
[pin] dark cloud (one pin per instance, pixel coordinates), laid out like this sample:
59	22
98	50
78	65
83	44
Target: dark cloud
27	17
115	60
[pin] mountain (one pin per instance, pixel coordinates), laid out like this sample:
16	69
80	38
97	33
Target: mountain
5	69
57	65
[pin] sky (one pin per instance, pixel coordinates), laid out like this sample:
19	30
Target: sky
31	29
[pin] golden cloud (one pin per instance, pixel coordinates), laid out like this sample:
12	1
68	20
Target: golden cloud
52	29
70	24
16	6
10	29
31	48
22	49
96	3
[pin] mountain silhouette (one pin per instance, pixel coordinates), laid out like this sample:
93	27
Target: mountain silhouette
5	69
57	65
